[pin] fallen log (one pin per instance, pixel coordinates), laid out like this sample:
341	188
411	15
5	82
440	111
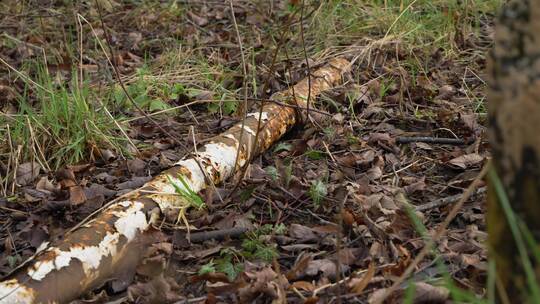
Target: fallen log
116	238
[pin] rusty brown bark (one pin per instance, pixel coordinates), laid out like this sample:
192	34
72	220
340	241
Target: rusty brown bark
115	240
514	111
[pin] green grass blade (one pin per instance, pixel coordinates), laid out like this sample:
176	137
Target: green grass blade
520	243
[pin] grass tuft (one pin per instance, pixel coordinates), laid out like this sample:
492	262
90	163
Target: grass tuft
418	23
62	126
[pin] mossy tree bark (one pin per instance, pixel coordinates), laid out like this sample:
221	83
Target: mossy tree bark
514	115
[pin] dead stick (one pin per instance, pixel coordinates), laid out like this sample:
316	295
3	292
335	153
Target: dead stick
199	237
430	140
445	201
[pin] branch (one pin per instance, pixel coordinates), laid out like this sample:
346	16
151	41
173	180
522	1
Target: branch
430	140
116	239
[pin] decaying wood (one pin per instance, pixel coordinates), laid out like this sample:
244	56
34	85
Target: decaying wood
202	236
429	140
115	240
514	112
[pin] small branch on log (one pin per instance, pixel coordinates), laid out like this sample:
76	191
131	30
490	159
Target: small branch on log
115	240
445	201
430	140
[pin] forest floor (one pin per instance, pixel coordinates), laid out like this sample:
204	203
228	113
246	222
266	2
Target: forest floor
332	213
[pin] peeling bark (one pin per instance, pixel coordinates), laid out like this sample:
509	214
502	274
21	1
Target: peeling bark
514	111
92	254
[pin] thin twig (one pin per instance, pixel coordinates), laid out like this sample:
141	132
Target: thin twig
172	109
265	87
209	180
445	201
35	146
122	85
80	44
305	56
10	159
350	277
199	237
398	17
430	140
23	42
16	168
298	114
339	245
118	125
244	82
23	76
271	72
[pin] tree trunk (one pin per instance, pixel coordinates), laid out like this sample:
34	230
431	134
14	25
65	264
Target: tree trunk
115	240
514	111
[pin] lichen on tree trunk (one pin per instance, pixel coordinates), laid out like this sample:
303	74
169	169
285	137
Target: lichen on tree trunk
514	111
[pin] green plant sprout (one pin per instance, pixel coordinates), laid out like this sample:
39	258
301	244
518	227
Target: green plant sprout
190	197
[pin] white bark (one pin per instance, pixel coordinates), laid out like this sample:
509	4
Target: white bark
93	253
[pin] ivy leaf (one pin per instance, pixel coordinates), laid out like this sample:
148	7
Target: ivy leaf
283	146
273	172
228	268
315	154
266	253
229	106
250	244
281	228
207	268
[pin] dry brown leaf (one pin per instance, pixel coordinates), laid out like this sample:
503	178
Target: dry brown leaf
76	195
374	173
299	267
403	262
262	281
27	173
135	182
347	218
303	285
136	166
157	290
312	300
326	266
349	256
467	160
326	229
377	296
107	155
426	293
470	121
45	185
417	186
357	285
79	168
200	21
303	233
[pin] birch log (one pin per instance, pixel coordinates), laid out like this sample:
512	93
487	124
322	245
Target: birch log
115	240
